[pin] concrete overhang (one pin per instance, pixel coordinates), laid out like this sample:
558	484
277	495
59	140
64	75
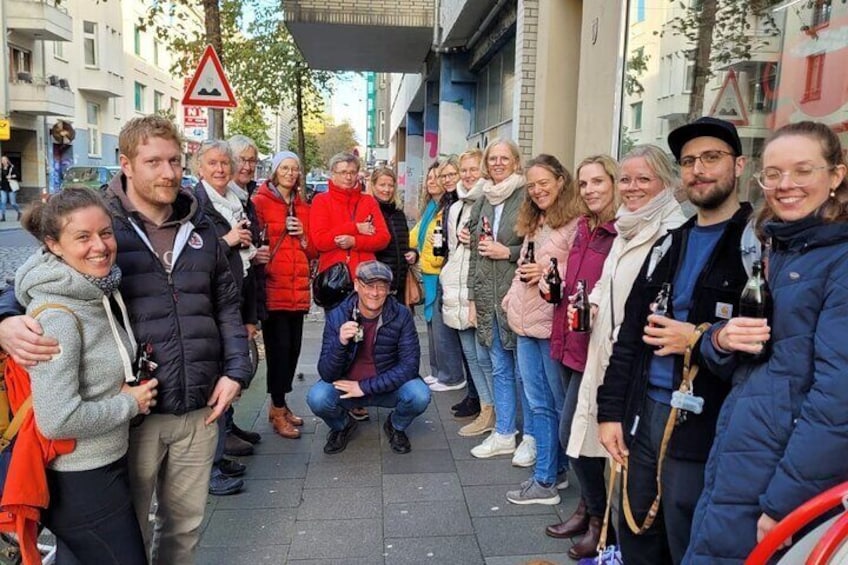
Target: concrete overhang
362	35
39	19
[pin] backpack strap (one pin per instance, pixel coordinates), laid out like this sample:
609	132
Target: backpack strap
26	406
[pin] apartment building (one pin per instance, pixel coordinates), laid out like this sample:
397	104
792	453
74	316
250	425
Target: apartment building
76	71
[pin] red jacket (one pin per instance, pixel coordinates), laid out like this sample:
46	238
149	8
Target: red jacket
25	493
336	212
287	274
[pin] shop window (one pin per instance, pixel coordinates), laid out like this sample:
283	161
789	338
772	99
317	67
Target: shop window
813	83
92	115
89	43
495	88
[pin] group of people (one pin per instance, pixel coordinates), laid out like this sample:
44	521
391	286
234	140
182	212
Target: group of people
512	257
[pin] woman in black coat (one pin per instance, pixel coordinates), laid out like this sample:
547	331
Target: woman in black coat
397	255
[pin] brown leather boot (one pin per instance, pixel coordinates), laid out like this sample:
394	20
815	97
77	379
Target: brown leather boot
285	428
290	416
577	524
274	413
587	546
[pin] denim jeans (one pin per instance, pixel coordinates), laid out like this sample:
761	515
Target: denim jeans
479	365
571	385
545	394
409	402
9	197
447	362
506	382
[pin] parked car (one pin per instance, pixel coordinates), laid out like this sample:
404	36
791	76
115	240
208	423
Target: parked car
315	187
96	177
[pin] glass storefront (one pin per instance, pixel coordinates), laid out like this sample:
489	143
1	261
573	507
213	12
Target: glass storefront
765	63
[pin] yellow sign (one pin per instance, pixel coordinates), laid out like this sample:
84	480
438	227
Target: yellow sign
5	130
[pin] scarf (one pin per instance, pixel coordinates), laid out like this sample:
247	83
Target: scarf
429	282
231	208
107	284
628	224
497	193
473	193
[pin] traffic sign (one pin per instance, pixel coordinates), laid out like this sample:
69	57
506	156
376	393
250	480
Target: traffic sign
209	85
729	105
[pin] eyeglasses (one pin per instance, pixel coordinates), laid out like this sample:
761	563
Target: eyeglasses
378	287
346	173
641	182
289	170
501	160
447	176
707	158
771	178
248	162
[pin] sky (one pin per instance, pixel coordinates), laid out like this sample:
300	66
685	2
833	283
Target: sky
348	102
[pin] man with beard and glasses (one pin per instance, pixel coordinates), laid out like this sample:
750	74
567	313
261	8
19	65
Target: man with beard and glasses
702	261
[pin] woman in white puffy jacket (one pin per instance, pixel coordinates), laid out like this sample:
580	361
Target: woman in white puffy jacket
454	280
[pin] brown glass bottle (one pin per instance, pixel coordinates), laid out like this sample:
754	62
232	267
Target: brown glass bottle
439	247
554	281
661	302
486	229
581	317
529	256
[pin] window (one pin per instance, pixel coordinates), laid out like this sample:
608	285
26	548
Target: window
821	13
89	43
381	127
137	41
689	76
59	50
20	64
495	86
666	73
175	106
157	45
139	97
92	117
117	107
813	84
158	101
636	116
639	16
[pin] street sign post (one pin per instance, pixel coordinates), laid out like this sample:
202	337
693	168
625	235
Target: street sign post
209	86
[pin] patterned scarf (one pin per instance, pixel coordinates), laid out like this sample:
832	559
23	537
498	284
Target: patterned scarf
107	284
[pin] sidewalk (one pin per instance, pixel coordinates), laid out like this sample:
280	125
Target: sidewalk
367	506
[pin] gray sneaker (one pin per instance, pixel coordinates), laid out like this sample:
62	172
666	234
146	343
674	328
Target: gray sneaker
531	492
562	480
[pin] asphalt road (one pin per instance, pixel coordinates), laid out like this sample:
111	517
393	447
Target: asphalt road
15	246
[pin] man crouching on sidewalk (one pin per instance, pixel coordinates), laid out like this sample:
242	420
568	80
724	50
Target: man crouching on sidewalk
369	357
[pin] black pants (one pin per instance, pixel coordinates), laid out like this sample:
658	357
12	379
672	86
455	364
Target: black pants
91	513
593	483
283	334
682	483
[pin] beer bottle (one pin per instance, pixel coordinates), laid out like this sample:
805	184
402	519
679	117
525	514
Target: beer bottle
554	294
360	332
529	256
291	215
263	236
486	230
661	302
755	301
582	313
439	247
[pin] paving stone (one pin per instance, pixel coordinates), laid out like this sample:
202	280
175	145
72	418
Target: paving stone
448	550
257	527
344	475
416	519
490	500
278	466
336	503
555	558
418	461
461	446
336	539
272	443
261	493
376	559
494	471
516	535
421	487
242	555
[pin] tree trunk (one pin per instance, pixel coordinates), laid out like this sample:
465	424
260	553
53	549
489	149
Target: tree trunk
703	51
212	17
301	135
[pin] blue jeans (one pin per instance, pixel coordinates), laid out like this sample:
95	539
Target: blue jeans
479	365
545	394
446	359
9	197
506	381
409	402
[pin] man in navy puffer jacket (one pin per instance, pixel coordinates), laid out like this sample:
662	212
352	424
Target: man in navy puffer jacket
369	357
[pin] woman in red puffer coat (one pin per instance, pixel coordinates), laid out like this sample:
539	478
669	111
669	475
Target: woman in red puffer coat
287	290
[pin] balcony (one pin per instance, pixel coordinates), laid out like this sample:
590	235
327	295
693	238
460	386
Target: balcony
362	35
99	82
38	97
39	19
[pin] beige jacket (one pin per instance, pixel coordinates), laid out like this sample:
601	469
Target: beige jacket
527	313
610	293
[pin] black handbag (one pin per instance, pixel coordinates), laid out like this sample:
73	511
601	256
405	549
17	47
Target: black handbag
332	285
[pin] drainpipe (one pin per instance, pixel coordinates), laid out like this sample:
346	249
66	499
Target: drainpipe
469	45
437	39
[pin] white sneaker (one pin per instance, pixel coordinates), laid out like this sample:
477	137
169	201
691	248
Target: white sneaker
525	455
442	387
495	444
430	379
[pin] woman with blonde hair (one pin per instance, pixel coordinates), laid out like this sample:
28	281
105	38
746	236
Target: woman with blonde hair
398	255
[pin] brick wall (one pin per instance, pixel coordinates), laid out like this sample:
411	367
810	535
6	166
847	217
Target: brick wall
526	37
399	13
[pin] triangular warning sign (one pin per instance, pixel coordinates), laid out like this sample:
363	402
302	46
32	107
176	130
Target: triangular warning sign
728	105
209	85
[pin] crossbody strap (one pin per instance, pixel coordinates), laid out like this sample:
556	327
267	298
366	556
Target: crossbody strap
689	373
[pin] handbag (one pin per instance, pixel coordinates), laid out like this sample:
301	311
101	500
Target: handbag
332	285
413	293
14	185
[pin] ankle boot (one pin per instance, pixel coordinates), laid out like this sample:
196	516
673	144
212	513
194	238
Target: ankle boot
290	416
587	546
575	525
485	422
285	428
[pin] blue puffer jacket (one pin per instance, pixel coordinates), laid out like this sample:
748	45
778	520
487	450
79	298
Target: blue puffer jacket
782	435
396	350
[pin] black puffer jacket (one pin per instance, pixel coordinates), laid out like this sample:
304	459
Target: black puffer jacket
393	254
191	315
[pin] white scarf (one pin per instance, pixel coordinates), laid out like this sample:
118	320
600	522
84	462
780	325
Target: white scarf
231	207
628	224
497	193
473	193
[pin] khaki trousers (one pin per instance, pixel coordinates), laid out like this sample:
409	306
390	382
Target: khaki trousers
172	456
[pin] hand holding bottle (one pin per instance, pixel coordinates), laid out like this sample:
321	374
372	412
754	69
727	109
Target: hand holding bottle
144	394
745	335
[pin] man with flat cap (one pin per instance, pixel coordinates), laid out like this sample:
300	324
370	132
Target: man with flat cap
702	260
369	357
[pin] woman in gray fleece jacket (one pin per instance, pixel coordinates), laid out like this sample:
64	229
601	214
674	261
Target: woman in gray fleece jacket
84	393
